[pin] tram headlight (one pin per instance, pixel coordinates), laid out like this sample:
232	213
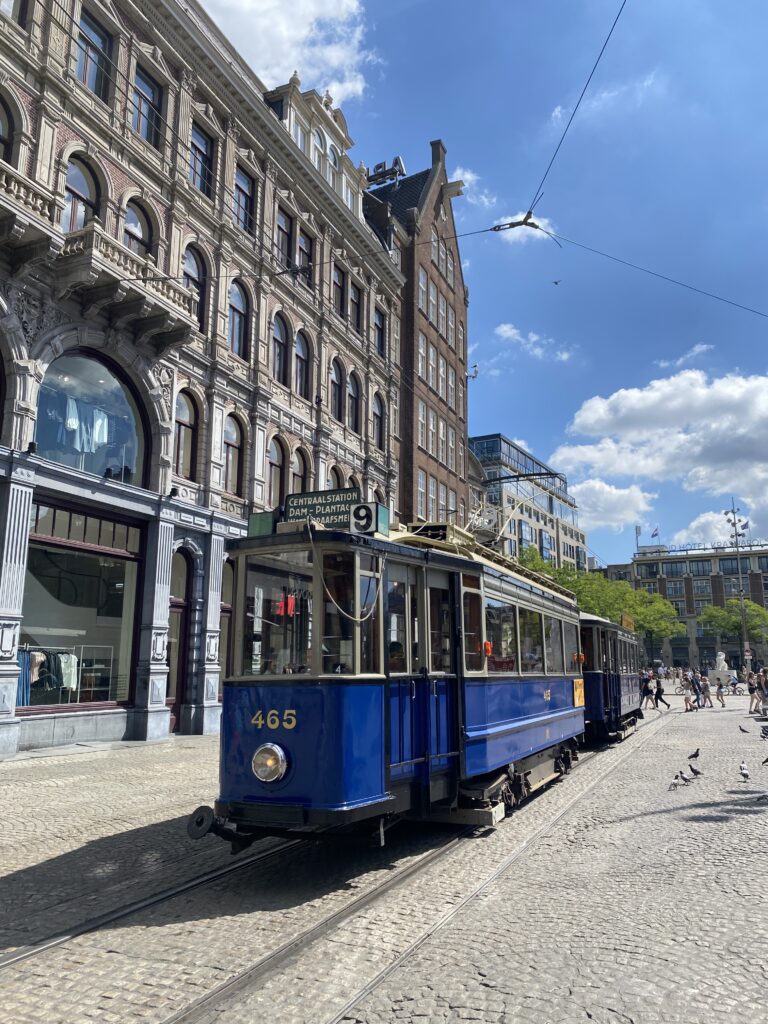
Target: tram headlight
269	763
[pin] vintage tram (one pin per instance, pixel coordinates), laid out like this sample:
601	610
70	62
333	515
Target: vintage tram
611	658
418	674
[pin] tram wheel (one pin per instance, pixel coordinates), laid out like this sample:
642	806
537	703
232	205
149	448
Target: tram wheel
199	822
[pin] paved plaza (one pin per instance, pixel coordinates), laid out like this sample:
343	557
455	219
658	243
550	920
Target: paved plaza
609	898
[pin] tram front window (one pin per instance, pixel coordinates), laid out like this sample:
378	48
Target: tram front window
370	647
278	619
339	611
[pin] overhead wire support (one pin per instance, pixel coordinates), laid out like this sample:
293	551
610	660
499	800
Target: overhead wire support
537	193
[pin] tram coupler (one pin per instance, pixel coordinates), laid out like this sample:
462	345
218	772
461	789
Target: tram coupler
204	821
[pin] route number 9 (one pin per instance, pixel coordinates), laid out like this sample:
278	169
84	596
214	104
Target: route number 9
363	518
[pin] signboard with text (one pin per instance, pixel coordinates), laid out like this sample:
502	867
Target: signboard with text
331	508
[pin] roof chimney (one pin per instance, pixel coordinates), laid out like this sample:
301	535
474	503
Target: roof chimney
438	152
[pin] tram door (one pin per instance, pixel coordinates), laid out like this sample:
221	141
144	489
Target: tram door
422	700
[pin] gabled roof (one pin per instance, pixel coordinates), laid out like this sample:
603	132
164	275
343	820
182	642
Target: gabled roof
403	194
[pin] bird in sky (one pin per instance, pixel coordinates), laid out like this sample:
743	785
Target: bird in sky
744	771
557	282
742	729
696	771
686	778
694	755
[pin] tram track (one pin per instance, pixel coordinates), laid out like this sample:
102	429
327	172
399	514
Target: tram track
94	924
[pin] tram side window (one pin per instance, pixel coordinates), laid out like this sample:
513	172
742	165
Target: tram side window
472	606
440	647
370	646
531	641
278	633
416	656
396	635
501	633
339	608
553	644
571	646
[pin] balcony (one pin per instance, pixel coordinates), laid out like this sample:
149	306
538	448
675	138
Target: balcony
110	279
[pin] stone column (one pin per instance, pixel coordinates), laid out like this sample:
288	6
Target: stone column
15	505
208	712
150	718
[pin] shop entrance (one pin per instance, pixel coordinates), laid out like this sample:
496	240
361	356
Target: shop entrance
178	636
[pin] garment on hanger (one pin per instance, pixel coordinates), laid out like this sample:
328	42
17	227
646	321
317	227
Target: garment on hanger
23	686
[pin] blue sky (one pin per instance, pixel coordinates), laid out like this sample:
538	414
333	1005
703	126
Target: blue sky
653	399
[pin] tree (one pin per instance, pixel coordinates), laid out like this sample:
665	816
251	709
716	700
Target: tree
726	621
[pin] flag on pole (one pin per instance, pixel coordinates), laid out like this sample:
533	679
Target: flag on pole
655	533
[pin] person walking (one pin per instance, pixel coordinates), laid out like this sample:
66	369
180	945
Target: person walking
687	691
648	693
706	693
720	694
696	687
659	695
754	695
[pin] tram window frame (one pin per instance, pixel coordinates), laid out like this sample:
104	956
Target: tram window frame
501	654
398	661
558	670
272	564
573	662
438	582
533	670
368	567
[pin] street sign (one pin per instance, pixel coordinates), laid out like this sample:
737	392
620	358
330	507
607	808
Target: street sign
331	508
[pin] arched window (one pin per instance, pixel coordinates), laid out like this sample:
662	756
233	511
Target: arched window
352	482
318	148
233	450
193	277
6	133
299	474
379	496
333	166
280	351
301	366
81	197
87	418
378	422
238	320
276	461
337	392
186	436
353	404
335	479
137	233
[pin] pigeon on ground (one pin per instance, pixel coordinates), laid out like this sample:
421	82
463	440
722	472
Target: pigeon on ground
694	755
741	727
696	771
674	783
686	778
765	761
744	771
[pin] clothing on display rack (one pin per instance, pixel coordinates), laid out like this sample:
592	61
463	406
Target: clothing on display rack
43	671
25	679
73	423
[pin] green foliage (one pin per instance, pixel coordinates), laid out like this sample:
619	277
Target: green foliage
727	621
597	595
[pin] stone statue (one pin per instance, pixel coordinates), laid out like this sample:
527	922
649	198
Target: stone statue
721	673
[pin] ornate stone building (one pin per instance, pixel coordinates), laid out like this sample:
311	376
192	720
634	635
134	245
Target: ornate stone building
195	320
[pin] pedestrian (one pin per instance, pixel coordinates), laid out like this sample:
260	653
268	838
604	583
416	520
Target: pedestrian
754	695
720	691
648	694
687	691
659	694
706	692
696	687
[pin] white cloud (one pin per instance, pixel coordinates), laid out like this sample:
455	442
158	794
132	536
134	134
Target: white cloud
624	96
323	39
473	193
521	235
520	443
707	435
686	357
602	505
706	528
535	345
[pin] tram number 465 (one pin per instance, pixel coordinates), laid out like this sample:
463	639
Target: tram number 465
274	720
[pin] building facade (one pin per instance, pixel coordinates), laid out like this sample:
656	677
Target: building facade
433	407
537	511
195	320
691	579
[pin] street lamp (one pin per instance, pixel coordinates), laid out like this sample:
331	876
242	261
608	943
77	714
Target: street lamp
737	531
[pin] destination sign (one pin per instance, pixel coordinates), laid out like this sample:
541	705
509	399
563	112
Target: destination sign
331	508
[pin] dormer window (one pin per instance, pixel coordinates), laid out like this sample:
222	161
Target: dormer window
333	167
318	149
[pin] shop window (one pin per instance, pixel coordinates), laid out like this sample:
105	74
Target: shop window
137	233
186	436
301	366
88	419
299	473
76	638
147	106
237	323
194	278
6	133
280	351
276	463
233	452
81	197
94	48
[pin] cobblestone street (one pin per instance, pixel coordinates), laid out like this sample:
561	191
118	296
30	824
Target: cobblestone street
607	898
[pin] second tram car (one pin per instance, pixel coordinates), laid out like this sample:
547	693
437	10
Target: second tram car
421	675
611	657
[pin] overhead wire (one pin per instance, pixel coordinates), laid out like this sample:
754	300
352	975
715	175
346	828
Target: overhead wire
537	194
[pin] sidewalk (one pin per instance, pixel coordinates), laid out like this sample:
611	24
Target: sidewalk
87	828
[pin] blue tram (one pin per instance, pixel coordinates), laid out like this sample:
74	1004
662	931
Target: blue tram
611	657
419	675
